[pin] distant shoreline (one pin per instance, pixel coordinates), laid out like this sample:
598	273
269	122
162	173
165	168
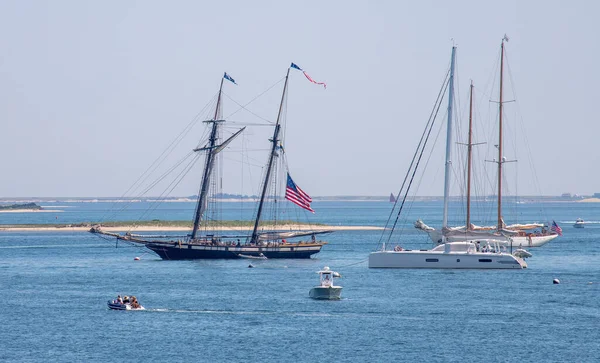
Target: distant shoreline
30	211
521	199
159	228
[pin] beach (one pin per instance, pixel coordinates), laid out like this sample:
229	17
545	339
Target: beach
589	200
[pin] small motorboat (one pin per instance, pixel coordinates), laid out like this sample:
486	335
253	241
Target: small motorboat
260	256
326	290
579	223
125	303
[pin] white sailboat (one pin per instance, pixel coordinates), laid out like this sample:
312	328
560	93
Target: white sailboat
465	254
517	235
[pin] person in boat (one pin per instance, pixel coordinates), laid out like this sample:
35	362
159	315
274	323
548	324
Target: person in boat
313	238
125	299
119	299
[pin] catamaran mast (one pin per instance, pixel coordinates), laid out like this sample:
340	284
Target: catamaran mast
469	158
500	160
275	141
449	142
208	166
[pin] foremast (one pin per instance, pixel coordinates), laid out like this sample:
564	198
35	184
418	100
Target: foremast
448	169
275	142
212	149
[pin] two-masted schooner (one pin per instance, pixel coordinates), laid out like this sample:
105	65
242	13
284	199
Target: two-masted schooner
265	240
516	234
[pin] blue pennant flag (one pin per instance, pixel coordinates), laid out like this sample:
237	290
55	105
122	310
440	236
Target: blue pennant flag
296	66
228	77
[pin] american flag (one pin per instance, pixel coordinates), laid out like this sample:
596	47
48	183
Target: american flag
556	228
294	194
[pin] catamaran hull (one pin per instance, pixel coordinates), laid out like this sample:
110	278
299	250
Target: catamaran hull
201	252
518	241
423	259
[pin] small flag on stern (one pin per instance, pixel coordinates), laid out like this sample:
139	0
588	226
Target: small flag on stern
295	66
294	194
556	228
228	77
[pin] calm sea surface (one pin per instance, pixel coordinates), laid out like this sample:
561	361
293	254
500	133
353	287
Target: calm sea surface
54	288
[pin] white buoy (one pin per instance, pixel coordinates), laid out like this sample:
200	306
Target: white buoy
136	258
556	281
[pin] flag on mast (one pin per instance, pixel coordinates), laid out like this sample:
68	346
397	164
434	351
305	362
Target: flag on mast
556	228
228	77
295	66
294	194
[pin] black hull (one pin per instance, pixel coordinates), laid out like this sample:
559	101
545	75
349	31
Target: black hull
203	252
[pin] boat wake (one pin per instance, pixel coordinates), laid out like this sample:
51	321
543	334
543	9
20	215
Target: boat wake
238	312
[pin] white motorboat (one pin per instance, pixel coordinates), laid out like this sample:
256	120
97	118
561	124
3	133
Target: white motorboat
125	304
483	254
579	223
326	290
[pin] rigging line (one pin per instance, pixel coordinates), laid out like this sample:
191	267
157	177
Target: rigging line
152	185
251	112
524	133
416	151
422	174
247	124
241	162
127	205
156	163
175	183
414	171
354	264
177	140
169	171
438	100
422	148
252	100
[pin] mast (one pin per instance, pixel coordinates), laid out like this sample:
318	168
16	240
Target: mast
449	142
275	141
500	161
469	157
208	166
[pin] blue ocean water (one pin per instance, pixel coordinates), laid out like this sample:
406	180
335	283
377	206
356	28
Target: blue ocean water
55	285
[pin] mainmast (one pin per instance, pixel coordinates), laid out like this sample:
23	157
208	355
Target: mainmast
500	160
208	166
449	142
275	141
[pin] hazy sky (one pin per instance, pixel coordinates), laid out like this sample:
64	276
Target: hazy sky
91	92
